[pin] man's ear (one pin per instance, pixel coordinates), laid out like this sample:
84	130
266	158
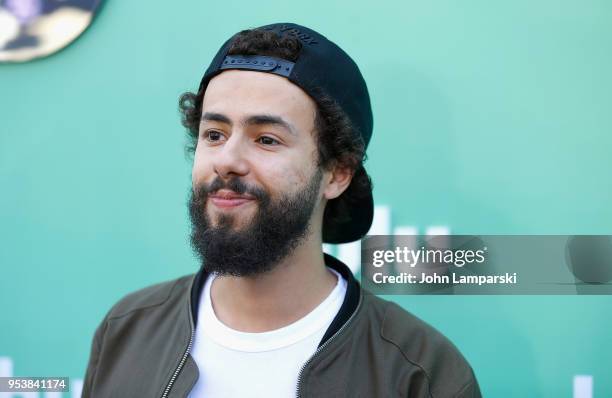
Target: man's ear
336	181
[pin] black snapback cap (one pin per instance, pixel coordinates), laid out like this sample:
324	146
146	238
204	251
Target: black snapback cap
324	67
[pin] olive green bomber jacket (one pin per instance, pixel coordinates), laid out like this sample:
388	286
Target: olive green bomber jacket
373	348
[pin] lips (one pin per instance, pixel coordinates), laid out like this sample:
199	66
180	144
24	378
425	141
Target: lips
229	199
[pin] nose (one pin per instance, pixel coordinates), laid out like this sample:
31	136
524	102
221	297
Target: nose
231	160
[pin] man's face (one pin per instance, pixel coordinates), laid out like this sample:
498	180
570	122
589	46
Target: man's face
255	179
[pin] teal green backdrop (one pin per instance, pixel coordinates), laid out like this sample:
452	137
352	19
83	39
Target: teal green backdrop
490	118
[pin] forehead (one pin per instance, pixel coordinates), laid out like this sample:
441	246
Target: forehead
239	93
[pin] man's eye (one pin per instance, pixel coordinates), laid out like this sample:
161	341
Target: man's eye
268	140
213	135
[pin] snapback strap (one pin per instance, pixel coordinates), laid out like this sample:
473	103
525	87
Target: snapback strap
262	63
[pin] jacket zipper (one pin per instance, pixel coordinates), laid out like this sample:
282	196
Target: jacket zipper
183	359
299	381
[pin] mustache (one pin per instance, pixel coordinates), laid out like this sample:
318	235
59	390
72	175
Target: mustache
234	184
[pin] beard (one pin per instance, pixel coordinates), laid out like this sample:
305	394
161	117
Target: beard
276	229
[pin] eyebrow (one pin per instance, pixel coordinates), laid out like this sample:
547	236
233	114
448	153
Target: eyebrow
253	120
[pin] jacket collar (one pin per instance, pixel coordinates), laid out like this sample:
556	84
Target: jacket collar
349	305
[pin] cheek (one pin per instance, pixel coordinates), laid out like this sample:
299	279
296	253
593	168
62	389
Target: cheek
274	176
307	167
290	175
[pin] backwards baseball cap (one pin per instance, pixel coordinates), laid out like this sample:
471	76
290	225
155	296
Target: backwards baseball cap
321	67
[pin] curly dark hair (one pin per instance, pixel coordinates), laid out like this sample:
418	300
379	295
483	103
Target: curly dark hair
338	144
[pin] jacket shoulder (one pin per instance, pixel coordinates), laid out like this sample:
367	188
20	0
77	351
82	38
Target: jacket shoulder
446	371
150	296
125	340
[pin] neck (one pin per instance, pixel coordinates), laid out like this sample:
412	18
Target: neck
292	289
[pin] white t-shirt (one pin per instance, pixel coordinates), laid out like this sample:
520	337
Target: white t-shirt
239	364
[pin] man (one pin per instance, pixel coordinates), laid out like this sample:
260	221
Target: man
279	128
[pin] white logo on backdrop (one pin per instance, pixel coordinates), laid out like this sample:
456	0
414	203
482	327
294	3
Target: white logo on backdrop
350	253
